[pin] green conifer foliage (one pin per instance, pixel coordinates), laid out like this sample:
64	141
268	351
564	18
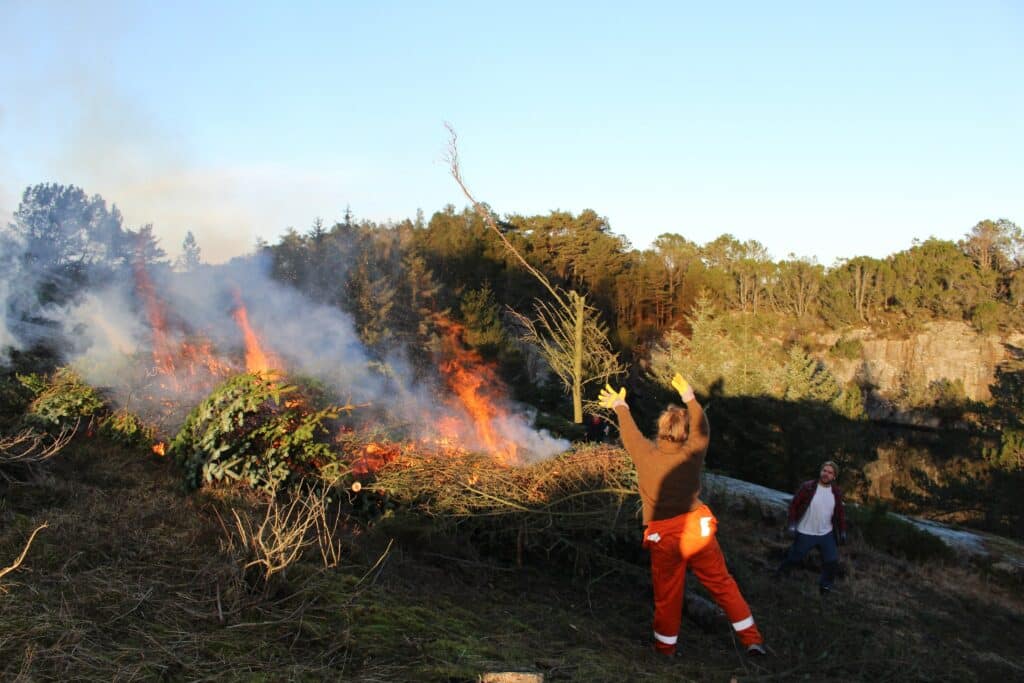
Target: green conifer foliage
850	402
807	379
726	355
62	399
255	430
482	318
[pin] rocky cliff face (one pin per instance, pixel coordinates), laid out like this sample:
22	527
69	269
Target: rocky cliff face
941	350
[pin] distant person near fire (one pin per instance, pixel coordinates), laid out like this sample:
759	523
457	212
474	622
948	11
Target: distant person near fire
817	518
679	528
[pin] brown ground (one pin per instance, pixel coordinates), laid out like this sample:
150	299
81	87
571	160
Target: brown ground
135	579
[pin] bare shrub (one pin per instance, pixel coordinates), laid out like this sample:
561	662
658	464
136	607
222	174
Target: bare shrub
327	526
22	454
267	546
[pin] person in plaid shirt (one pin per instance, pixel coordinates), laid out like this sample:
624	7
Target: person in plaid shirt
817	519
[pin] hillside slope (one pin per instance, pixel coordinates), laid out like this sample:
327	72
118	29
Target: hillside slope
134	578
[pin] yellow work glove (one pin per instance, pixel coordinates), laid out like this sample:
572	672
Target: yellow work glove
683	387
609	398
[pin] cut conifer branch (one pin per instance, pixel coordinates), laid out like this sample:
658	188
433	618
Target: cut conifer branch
567	330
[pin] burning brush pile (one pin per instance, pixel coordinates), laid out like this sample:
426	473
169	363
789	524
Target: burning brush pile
262	430
255	386
259	431
250	382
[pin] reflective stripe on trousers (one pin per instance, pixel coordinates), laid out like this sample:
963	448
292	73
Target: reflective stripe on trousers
688	540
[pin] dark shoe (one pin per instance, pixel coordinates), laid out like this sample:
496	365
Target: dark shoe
756	650
826	590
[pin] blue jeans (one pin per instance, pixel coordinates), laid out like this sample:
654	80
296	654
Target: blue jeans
826	544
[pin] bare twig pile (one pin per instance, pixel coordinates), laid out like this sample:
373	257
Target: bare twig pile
580	504
22	454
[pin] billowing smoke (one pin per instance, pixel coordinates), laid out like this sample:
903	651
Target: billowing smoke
312	339
60	242
116	337
7	339
109	337
11	252
132	322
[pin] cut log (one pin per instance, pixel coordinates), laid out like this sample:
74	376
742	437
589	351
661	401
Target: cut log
511	677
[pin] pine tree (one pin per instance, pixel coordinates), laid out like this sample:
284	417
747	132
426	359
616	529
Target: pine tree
731	358
190	254
565	328
807	379
482	318
850	402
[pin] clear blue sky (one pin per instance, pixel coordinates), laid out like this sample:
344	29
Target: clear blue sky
824	130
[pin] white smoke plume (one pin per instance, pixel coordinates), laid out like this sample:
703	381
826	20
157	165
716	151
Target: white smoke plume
10	249
111	344
7	339
108	335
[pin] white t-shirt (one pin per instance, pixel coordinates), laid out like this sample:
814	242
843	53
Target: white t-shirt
817	520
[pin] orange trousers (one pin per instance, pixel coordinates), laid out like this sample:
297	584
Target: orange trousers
688	540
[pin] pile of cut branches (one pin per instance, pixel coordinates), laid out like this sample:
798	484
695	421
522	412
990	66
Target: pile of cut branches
258	430
582	505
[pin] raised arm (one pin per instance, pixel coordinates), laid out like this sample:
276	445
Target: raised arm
630	433
700	430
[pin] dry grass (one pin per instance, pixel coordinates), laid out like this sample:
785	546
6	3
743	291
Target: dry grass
132	581
135	579
267	545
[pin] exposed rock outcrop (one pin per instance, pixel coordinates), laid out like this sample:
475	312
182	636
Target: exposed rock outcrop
893	469
940	350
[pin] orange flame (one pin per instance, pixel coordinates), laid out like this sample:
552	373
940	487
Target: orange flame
373	457
159	448
163	358
174	362
478	391
198	357
256	360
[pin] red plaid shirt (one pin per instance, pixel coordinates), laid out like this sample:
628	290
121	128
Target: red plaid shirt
802	498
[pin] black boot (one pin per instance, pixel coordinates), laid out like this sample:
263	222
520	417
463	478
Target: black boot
828	577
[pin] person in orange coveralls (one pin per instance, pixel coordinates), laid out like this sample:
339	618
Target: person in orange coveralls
679	528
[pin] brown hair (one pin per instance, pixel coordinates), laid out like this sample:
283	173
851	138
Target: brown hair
829	463
674	425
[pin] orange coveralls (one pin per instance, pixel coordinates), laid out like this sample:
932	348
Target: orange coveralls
680	528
